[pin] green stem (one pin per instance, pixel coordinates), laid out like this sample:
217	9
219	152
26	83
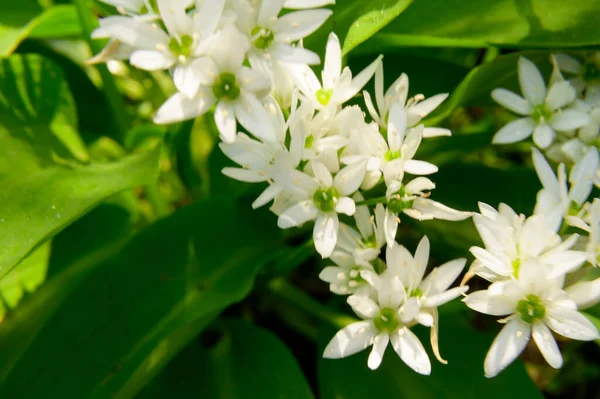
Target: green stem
372	201
88	24
281	287
160	206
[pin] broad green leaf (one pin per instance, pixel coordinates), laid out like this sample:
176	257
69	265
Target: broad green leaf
481	23
139	307
461	345
356	21
25	278
44	186
247	362
18	21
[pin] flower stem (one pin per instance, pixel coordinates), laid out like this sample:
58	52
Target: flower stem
284	289
88	24
372	201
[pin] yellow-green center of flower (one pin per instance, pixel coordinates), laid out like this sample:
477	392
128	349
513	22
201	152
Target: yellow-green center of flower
181	46
387	320
541	113
398	203
516	266
531	308
226	87
370	242
263	37
324	95
308	141
416	293
325	200
391	155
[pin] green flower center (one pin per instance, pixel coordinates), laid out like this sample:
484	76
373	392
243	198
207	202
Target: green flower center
308	142
370	242
325	200
416	293
391	155
574	208
531	308
226	86
324	95
153	6
263	37
541	113
181	47
591	71
516	266
397	204
387	320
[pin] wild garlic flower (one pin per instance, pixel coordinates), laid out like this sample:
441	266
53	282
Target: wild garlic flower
401	297
322	197
412	200
338	85
393	157
511	239
588	220
416	108
534	304
555	201
345	278
584	75
225	81
544	112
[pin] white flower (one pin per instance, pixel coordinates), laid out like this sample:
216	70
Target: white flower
177	48
345	278
393	157
534	304
338	85
416	107
272	36
382	323
298	4
366	243
554	201
224	80
412	200
543	111
510	240
132	7
584	74
424	294
322	198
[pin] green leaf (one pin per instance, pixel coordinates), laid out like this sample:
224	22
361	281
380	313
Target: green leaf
223	371
460	344
44	186
139	307
504	23
17	22
356	21
25	278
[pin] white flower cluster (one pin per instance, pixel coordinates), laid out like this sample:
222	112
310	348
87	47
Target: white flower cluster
391	302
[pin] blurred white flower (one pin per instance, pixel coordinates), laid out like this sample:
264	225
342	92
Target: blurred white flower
588	220
345	278
535	304
544	111
585	75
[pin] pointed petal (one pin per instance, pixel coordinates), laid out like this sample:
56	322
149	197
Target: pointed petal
531	81
509	344
325	234
297	25
517	130
361	79
151	60
350	340
379	344
411	351
363	306
333	62
570	323
396	126
483	302
225	121
546	344
585	293
560	95
298	214
349	179
569	119
543	136
512	101
346	206
179	108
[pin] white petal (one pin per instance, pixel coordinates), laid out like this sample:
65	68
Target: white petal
267	195
322	174
207	16
269	9
582	176
425	107
350	340
172	13
560	95
298	4
253	116
298	214
546	344
444	297
349	179
287	53
411	351
531	81
543	136
509	344
415	167
517	130
567	63
418	185
346	206
428	209
225	121
361	80
396	126
186	79
445	275
512	101
569	119
585	293
390	225
179	108
325	234
151	60
483	302
570	323
564	262
429	132
379	344
363	306
247	175
410	309
297	25
545	172
333	62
